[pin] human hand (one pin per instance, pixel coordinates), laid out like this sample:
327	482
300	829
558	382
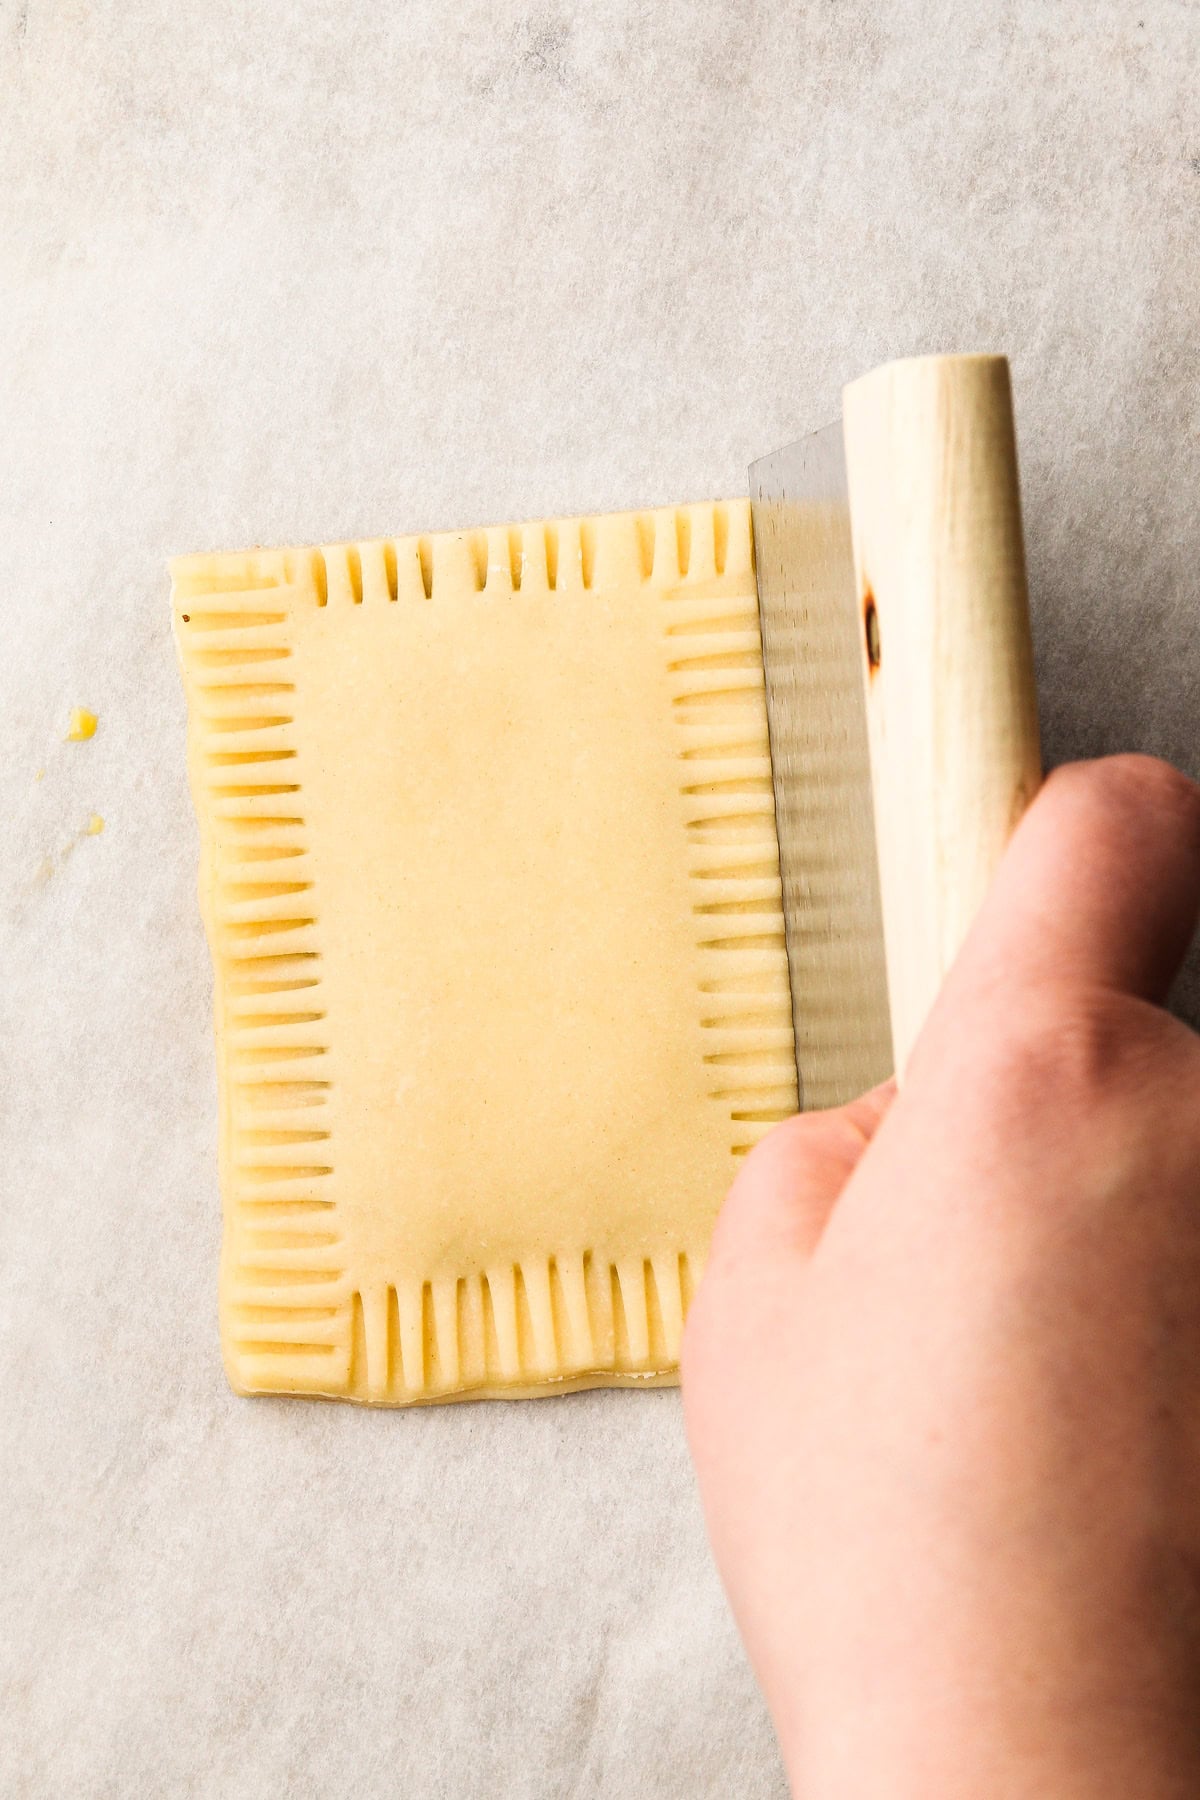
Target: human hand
942	1375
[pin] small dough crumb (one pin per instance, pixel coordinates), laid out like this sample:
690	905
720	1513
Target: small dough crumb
95	825
83	725
40	776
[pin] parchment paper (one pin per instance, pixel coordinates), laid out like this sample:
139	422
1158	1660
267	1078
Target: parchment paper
305	271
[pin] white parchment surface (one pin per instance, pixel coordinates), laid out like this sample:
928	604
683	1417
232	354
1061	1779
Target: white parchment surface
306	271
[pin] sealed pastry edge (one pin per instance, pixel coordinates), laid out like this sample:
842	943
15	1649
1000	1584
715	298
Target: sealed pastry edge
546	1336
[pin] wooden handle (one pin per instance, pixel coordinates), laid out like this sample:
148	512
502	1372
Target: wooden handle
947	659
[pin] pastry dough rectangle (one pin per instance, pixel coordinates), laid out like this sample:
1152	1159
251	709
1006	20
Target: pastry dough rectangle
490	878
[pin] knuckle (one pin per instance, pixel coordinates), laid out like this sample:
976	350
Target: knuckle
770	1167
782	1195
807	1146
1053	1047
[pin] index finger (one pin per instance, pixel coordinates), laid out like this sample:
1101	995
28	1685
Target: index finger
1100	885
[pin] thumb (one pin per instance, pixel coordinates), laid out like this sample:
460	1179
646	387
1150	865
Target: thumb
790	1182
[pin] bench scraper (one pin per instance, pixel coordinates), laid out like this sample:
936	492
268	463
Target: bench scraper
900	698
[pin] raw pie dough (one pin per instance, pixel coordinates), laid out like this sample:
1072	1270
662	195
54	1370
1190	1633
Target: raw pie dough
490	877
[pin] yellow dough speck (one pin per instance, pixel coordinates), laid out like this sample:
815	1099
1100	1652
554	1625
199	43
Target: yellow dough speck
95	825
83	725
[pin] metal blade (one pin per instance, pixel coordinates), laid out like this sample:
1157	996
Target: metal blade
824	811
